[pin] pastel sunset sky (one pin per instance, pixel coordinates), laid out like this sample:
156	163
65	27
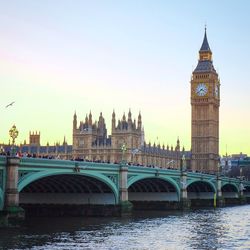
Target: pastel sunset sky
58	57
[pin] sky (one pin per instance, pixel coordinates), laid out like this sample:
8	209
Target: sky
58	57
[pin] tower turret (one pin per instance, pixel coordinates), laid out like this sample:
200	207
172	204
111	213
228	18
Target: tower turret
129	120
177	148
134	125
119	125
34	138
129	115
101	130
64	140
142	137
86	121
139	121
113	121
75	122
90	119
124	122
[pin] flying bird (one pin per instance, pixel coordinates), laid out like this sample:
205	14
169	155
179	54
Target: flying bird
10	104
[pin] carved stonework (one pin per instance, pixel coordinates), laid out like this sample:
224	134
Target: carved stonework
130	177
214	181
22	173
113	178
177	180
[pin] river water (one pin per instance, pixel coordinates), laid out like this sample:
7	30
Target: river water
222	228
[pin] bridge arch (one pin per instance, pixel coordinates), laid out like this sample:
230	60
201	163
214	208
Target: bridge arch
32	178
246	192
131	181
208	183
153	192
201	192
230	192
230	187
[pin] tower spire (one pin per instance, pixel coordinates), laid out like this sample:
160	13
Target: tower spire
205	63
90	118
205	46
139	122
74	121
113	121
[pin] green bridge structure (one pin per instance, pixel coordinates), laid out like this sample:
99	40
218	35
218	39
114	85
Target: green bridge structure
89	188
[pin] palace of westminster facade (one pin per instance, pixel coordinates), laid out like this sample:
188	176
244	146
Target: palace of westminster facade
91	141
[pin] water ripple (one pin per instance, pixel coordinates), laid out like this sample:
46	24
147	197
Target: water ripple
227	228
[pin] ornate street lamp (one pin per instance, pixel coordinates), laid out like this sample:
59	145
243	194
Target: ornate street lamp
13	132
219	169
183	163
123	149
1	150
241	177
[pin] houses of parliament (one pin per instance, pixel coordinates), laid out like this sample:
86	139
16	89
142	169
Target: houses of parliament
91	140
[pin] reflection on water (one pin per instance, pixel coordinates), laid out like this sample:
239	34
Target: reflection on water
226	228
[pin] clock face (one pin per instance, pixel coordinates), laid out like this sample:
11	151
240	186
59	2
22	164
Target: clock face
216	91
201	89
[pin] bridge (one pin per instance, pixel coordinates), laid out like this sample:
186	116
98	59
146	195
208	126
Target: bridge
87	187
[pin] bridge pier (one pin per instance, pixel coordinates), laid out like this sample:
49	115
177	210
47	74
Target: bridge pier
126	205
184	201
219	198
11	210
242	197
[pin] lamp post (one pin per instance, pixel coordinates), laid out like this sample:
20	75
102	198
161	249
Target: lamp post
242	198
241	177
11	199
123	149
1	150
134	152
178	160
172	161
219	170
218	199
185	202
13	132
183	166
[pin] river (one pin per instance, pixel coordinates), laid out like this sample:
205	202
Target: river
222	228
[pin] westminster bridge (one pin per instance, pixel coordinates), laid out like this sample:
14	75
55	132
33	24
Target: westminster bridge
30	183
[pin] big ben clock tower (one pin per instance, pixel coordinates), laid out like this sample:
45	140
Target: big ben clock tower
205	102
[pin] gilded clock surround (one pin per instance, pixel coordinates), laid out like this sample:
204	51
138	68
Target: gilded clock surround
201	89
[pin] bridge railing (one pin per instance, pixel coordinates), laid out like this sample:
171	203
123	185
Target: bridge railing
51	163
43	162
3	160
